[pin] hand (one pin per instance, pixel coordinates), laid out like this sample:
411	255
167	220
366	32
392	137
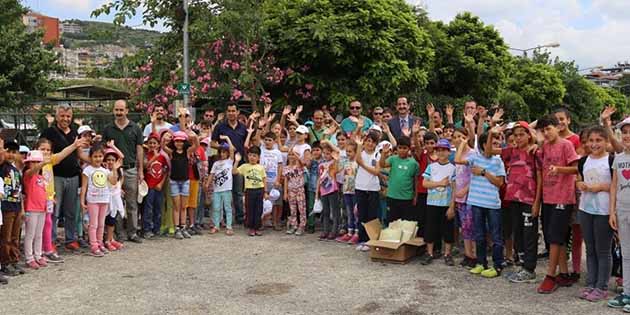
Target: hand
553	170
416	127
449	110
299	109
47	160
118	164
97	138
497	117
267	109
50	118
360	123
359	140
158	187
385	128
476	170
415	200
606	114
79	142
582	186
444	182
266	196
497	129
536	209
153	117
220	116
330	130
254	116
84	206
406	131
450	213
354	119
532	148
110	144
78	121
292	118
460	193
469	118
612	220
224	138
482	112
237	157
386	149
286	110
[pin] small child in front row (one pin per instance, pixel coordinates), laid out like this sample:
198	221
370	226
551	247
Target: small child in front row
34	208
96	196
11	211
327	191
255	184
116	206
221	179
404	169
349	172
294	193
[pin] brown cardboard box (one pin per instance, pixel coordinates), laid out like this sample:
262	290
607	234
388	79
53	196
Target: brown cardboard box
395	252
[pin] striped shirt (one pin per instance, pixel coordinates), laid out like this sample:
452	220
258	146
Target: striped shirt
482	192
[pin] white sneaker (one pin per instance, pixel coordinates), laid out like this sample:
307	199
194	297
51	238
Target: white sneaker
365	248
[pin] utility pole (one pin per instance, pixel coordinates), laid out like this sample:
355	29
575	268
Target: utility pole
185	95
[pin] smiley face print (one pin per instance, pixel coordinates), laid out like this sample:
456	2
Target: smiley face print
99	179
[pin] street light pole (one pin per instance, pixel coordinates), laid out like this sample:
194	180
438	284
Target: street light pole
550	45
185	95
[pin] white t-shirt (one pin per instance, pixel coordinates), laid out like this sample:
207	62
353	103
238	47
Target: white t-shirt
301	148
98	190
222	175
364	180
596	171
148	128
270	159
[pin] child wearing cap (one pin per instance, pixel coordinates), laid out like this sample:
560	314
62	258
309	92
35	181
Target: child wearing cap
221	181
439	179
155	170
116	210
11	211
34	208
179	182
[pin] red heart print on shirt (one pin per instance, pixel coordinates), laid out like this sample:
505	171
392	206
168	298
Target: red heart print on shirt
626	174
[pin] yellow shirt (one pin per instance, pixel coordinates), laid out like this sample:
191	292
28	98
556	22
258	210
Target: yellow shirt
47	172
254	175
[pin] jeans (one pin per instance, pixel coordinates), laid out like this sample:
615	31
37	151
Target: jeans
368	205
598	236
152	214
330	209
350	202
238	182
222	200
254	208
33	235
623	226
201	205
490	218
67	198
130	187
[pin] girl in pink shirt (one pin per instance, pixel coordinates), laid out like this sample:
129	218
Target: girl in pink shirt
35	209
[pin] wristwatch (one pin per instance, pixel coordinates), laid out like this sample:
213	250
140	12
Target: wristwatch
483	173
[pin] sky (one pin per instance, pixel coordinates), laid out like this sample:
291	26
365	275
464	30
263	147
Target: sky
591	32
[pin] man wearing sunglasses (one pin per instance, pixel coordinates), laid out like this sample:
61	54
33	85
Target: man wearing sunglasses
404	120
349	124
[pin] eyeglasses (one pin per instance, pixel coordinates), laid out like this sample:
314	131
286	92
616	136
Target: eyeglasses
377	114
355	107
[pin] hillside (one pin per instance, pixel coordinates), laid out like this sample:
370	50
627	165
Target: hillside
101	33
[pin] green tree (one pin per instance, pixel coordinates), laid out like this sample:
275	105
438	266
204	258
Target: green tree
25	63
539	85
471	59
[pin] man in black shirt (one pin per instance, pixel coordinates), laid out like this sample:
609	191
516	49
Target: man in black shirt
67	173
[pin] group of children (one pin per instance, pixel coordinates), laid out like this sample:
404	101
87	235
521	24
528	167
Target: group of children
484	182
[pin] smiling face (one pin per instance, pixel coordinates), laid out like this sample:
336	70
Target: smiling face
120	109
268	143
625	136
402	106
355	109
458	137
45	148
97	158
563	121
63	116
443	154
318	119
153	144
110	160
597	143
231	113
327	153
160	112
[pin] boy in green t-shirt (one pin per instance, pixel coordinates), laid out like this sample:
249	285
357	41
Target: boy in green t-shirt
401	193
255	187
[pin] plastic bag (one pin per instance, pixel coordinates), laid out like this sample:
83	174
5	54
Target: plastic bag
267	207
317	206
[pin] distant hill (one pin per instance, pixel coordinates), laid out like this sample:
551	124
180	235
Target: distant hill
102	33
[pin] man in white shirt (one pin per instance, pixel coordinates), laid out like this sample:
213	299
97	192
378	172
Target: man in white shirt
159	111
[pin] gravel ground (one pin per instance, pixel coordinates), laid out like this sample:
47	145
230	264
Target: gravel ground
273	274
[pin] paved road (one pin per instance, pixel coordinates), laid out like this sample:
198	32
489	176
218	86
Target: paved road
273	274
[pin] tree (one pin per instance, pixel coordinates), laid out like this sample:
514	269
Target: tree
471	59
25	63
539	85
370	50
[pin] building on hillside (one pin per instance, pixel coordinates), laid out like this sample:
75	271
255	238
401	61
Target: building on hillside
50	25
69	27
78	62
608	77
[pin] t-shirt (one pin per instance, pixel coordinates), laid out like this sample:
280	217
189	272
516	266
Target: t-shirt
482	192
575	140
237	135
270	159
463	174
560	188
254	175
198	165
35	191
596	171
98	190
126	140
12	179
49	177
349	172
435	172
423	162
343	160
313	175
621	166
521	178
149	127
156	170
348	126
222	175
68	167
179	165
402	176
327	183
364	180
301	148
294	176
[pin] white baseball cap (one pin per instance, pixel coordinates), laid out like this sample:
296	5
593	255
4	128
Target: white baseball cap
376	127
274	194
302	129
623	123
143	190
85	128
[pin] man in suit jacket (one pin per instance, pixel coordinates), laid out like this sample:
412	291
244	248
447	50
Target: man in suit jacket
404	119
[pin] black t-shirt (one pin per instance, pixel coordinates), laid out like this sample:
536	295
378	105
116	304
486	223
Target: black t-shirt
12	178
68	167
179	166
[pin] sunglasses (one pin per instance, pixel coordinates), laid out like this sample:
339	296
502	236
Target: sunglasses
355	107
377	114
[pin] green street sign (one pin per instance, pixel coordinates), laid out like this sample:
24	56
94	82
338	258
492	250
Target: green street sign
183	88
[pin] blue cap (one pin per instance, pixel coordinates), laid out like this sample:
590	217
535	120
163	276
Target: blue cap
443	143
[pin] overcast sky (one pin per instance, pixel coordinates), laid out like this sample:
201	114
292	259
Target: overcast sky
592	32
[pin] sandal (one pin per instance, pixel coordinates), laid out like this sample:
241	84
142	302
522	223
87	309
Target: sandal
214	230
229	232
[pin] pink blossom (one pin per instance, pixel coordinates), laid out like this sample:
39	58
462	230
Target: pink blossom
214	85
305	68
308	86
235	66
201	64
289	71
192	73
236	94
205	88
226	64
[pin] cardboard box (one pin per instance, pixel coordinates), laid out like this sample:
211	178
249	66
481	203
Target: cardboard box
395	252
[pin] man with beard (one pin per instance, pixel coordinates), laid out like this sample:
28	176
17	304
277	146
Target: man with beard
160	113
66	175
403	121
237	132
128	139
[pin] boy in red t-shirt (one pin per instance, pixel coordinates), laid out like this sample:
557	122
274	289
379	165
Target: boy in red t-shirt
425	155
155	170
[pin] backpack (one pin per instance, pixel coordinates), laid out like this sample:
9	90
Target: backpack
582	161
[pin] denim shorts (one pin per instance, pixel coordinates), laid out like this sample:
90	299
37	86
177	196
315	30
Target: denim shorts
179	188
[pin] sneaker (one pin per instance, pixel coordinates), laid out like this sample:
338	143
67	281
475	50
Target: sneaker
110	247
185	233
118	244
574	276
96	253
331	236
354	239
229	232
323	236
564	280
344	238
358	248
626	309
32	265
214	230
448	260
178	234
148	235
251	232
258	233
491	272
19	269
54	258
4	280
291	231
426	259
83	243
619	301
103	249
477	270
522	276
543	255
299	232
135	239
8	270
197	229
42	262
364	248
597	295
548	285
72	246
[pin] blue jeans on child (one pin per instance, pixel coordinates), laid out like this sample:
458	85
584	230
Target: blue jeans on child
152	214
488	221
349	202
222	200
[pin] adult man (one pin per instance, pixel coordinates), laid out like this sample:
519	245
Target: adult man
349	124
128	139
67	173
377	116
470	107
188	120
237	132
159	111
316	132
403	121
